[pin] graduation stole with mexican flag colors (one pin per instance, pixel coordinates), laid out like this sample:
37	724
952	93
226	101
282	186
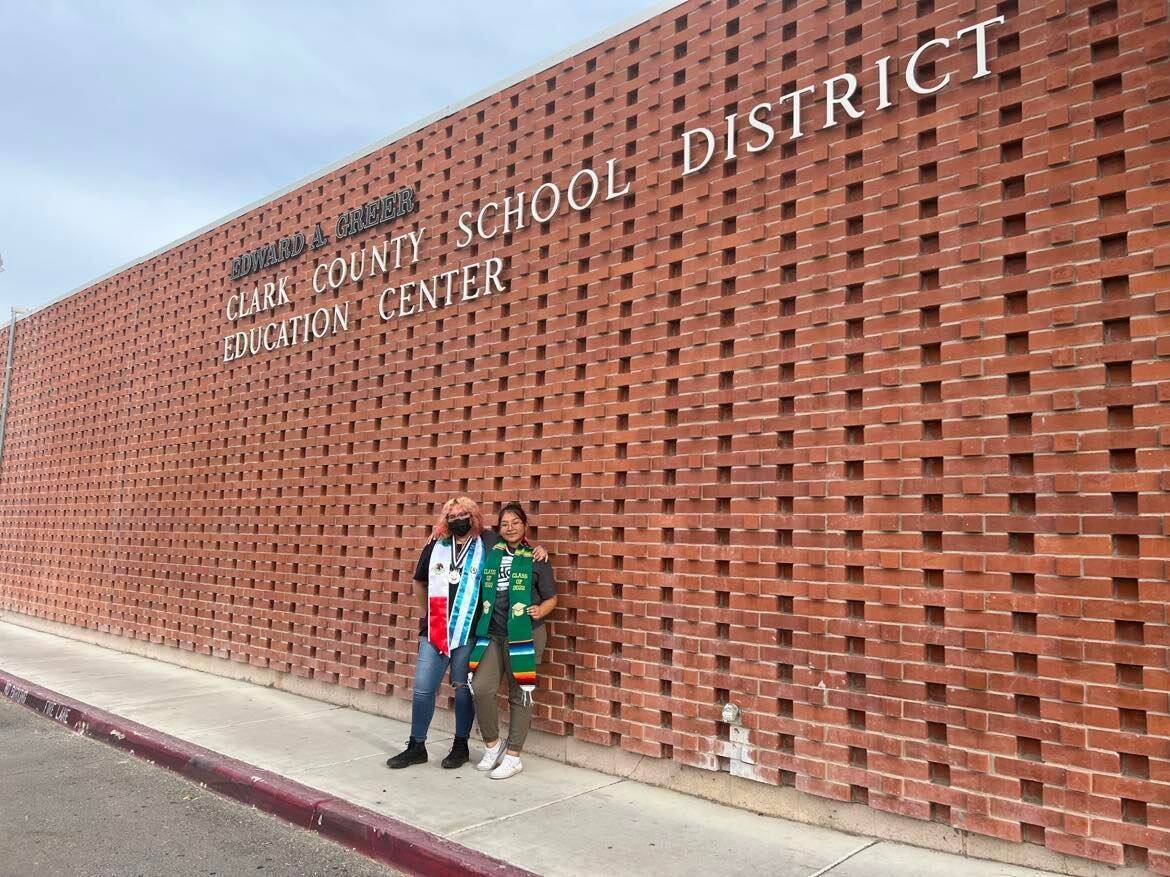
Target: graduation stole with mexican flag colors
449	624
521	651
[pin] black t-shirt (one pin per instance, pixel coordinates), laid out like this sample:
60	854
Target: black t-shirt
543	587
422	570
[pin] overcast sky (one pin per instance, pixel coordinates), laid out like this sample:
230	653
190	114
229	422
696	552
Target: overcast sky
127	125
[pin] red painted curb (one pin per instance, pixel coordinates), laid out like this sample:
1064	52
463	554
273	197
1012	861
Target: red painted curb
380	837
287	799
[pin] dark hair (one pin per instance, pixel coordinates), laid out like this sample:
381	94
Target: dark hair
516	509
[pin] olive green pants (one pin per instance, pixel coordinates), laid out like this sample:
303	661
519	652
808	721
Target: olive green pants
492	666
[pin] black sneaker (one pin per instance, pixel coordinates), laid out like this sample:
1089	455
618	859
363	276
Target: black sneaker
414	753
458	756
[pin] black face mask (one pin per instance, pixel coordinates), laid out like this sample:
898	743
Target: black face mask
459	527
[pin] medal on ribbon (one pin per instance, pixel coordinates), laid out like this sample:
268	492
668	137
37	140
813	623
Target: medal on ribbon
457	561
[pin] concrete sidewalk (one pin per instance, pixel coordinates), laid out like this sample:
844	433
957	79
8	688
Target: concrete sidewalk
552	819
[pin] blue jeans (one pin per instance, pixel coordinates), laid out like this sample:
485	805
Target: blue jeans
428	673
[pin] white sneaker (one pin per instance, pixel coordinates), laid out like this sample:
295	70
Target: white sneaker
492	756
509	767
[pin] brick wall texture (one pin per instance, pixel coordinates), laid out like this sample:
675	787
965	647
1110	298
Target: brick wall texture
866	433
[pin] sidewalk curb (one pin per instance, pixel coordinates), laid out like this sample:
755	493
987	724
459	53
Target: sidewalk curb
377	836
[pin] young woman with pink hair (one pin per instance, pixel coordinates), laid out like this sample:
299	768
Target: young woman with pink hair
447	581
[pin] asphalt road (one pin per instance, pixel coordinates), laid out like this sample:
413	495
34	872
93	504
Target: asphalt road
69	805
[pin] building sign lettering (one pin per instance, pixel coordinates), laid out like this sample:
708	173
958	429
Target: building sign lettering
739	133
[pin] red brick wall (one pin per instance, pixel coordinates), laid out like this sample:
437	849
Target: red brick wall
866	433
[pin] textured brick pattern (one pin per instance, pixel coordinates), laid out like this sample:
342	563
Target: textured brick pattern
867	433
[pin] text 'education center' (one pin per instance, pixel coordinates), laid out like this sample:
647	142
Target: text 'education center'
828	344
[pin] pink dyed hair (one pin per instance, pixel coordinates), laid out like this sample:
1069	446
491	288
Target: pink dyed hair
458	504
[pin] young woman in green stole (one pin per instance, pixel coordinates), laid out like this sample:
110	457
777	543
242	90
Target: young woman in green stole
518	593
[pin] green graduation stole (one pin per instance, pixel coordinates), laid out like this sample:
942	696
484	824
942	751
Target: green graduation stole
521	651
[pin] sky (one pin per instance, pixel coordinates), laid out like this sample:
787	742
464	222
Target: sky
126	125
